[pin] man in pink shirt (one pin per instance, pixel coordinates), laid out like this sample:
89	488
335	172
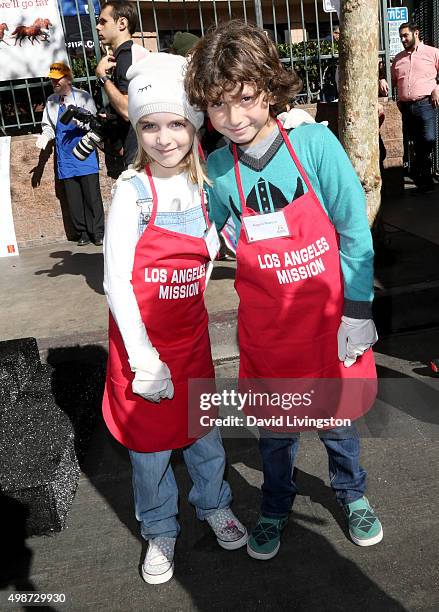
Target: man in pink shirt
414	73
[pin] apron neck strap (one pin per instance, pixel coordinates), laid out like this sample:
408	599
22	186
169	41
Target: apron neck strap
154	195
204	207
294	156
238	177
203	194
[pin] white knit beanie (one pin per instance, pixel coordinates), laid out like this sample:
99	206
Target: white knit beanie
157	86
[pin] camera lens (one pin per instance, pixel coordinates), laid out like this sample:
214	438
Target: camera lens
86	145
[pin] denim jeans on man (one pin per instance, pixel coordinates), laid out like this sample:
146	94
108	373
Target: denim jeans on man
347	477
419	126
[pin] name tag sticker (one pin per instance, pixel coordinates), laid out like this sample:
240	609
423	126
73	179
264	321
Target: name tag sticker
212	241
262	227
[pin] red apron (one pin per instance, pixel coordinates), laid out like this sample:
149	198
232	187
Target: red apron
168	279
291	303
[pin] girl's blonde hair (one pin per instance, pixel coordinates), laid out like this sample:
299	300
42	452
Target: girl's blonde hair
192	163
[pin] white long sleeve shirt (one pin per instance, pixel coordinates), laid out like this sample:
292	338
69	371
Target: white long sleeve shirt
77	97
177	193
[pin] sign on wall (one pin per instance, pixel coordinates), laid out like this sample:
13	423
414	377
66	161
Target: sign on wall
31	38
331	6
396	16
68	7
75	41
79	38
8	241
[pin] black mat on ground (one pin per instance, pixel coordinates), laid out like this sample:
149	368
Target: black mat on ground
47	413
19	360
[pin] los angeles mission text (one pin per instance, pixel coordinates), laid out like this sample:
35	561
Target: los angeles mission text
182	283
291	267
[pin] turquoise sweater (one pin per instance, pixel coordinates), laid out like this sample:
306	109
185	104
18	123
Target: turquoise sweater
336	185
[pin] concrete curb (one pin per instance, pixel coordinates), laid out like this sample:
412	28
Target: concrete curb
222	330
395	310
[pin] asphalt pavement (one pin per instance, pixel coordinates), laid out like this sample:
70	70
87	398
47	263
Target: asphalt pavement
54	293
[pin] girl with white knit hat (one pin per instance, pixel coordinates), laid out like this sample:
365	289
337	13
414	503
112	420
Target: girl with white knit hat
158	251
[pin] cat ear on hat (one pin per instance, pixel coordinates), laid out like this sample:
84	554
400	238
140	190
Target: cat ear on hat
138	53
136	69
158	63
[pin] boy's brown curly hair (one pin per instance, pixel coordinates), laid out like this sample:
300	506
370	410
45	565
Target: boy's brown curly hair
235	53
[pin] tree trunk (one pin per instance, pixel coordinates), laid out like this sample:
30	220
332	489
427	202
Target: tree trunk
358	95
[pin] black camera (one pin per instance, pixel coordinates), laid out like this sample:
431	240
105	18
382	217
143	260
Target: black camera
100	129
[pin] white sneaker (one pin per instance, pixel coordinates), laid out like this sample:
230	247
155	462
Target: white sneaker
158	566
230	533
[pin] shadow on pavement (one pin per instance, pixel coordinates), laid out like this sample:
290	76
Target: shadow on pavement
308	573
404	259
319	493
223	272
89	265
420	345
15	556
410	394
36	175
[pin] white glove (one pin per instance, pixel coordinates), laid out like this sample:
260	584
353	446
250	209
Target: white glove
42	141
354	337
153	383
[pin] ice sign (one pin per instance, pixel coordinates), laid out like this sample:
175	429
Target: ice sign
395	17
400	13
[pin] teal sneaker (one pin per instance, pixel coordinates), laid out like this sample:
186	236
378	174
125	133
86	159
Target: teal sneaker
264	541
365	528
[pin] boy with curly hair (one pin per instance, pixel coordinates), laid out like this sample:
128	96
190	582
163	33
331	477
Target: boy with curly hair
309	321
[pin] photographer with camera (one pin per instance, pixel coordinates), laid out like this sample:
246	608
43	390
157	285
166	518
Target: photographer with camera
80	176
116	25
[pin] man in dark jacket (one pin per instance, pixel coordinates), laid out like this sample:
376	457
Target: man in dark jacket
117	23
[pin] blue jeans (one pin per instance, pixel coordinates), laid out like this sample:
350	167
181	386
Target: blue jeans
419	126
347	477
156	492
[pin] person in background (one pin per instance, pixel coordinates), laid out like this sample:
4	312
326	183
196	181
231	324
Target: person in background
183	43
329	92
414	73
116	26
80	178
335	34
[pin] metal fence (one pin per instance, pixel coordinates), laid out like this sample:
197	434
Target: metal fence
306	37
